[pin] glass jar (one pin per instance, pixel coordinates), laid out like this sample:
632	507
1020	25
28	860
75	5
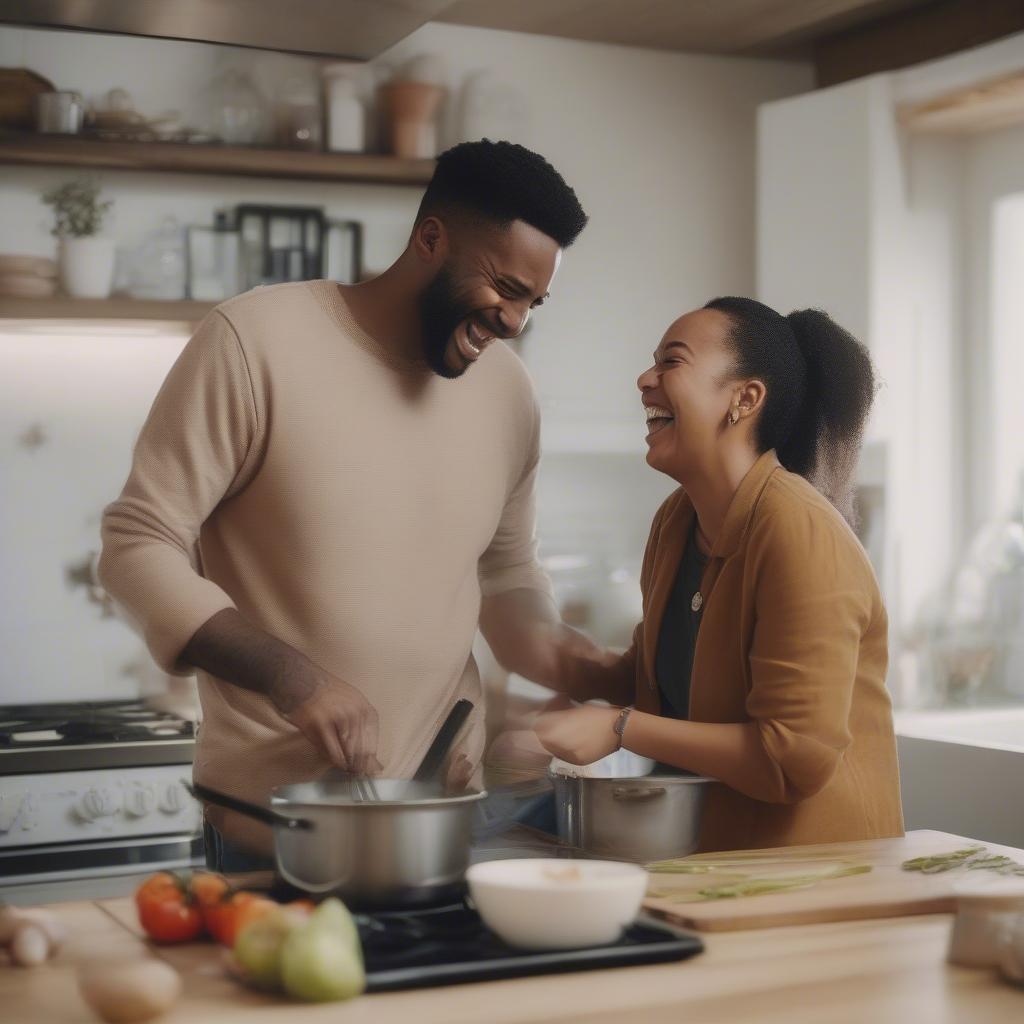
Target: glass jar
299	116
240	114
214	259
158	270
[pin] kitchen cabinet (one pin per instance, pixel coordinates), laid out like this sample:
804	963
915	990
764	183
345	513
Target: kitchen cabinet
831	216
839	227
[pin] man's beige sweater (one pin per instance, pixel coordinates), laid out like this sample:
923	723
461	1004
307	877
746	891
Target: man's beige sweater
350	503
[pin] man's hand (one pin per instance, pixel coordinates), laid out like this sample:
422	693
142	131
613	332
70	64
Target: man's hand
334	716
527	636
339	721
458	775
579	735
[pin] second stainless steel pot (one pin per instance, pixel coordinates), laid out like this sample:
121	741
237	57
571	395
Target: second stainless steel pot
638	817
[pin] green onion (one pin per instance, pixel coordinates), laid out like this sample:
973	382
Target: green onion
763	886
750	885
973	858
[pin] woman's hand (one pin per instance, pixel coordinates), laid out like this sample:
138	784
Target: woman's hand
579	735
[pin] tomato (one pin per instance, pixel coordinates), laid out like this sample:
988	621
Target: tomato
172	919
226	918
167	910
208	888
156	886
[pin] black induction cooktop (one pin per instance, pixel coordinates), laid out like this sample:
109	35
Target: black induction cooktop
451	945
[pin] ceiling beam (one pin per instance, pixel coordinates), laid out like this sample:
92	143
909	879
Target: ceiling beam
914	36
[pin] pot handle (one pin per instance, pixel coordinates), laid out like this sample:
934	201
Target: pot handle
637	794
232	803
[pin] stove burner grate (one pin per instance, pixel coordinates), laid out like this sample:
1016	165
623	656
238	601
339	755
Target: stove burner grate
34	725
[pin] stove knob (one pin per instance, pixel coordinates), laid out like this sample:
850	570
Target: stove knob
96	803
138	802
12	815
172	799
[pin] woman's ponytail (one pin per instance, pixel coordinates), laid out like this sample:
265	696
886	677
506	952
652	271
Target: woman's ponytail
820	385
826	441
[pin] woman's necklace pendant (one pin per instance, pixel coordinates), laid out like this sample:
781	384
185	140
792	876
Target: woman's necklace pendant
697	602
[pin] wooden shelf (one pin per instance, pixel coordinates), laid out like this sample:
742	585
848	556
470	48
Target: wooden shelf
183	158
62	307
987	106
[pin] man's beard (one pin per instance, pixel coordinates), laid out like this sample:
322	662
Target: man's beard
440	314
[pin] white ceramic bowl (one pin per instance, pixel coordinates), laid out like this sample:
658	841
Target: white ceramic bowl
548	903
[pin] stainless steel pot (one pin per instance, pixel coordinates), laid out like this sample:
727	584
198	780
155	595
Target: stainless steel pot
407	846
638	817
375	842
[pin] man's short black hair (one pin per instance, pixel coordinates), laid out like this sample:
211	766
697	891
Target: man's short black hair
503	182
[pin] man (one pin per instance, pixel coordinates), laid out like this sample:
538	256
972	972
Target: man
334	487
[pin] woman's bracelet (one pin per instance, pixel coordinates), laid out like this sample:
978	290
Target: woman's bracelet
620	725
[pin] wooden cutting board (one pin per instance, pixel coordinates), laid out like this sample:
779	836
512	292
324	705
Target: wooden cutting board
886	891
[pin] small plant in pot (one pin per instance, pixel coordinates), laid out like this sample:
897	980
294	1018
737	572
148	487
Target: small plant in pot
86	260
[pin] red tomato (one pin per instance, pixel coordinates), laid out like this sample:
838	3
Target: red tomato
208	888
169	917
226	918
156	886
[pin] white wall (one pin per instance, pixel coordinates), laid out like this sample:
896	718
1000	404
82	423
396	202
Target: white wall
660	148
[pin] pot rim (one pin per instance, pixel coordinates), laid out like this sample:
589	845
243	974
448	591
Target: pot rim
655	779
280	802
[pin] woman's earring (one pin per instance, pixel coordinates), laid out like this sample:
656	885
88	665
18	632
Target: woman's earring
734	416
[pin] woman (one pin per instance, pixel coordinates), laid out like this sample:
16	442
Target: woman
762	656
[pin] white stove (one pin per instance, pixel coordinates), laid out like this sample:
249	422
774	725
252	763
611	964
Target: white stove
90	793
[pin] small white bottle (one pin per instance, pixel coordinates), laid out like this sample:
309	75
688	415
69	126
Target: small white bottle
346	118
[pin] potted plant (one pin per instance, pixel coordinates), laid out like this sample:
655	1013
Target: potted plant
86	260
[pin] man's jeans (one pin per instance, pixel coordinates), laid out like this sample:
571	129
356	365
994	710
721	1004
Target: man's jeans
224	856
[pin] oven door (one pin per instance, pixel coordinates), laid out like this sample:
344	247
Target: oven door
76	871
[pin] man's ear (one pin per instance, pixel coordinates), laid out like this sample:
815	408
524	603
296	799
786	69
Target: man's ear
430	240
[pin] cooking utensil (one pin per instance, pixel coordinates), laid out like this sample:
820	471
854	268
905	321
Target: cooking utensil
642	817
432	761
264	814
409	847
363	788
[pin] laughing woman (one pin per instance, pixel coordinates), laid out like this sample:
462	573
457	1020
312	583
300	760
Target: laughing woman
762	656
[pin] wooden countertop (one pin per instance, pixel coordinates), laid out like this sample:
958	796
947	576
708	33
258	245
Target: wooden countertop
885	972
881	971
